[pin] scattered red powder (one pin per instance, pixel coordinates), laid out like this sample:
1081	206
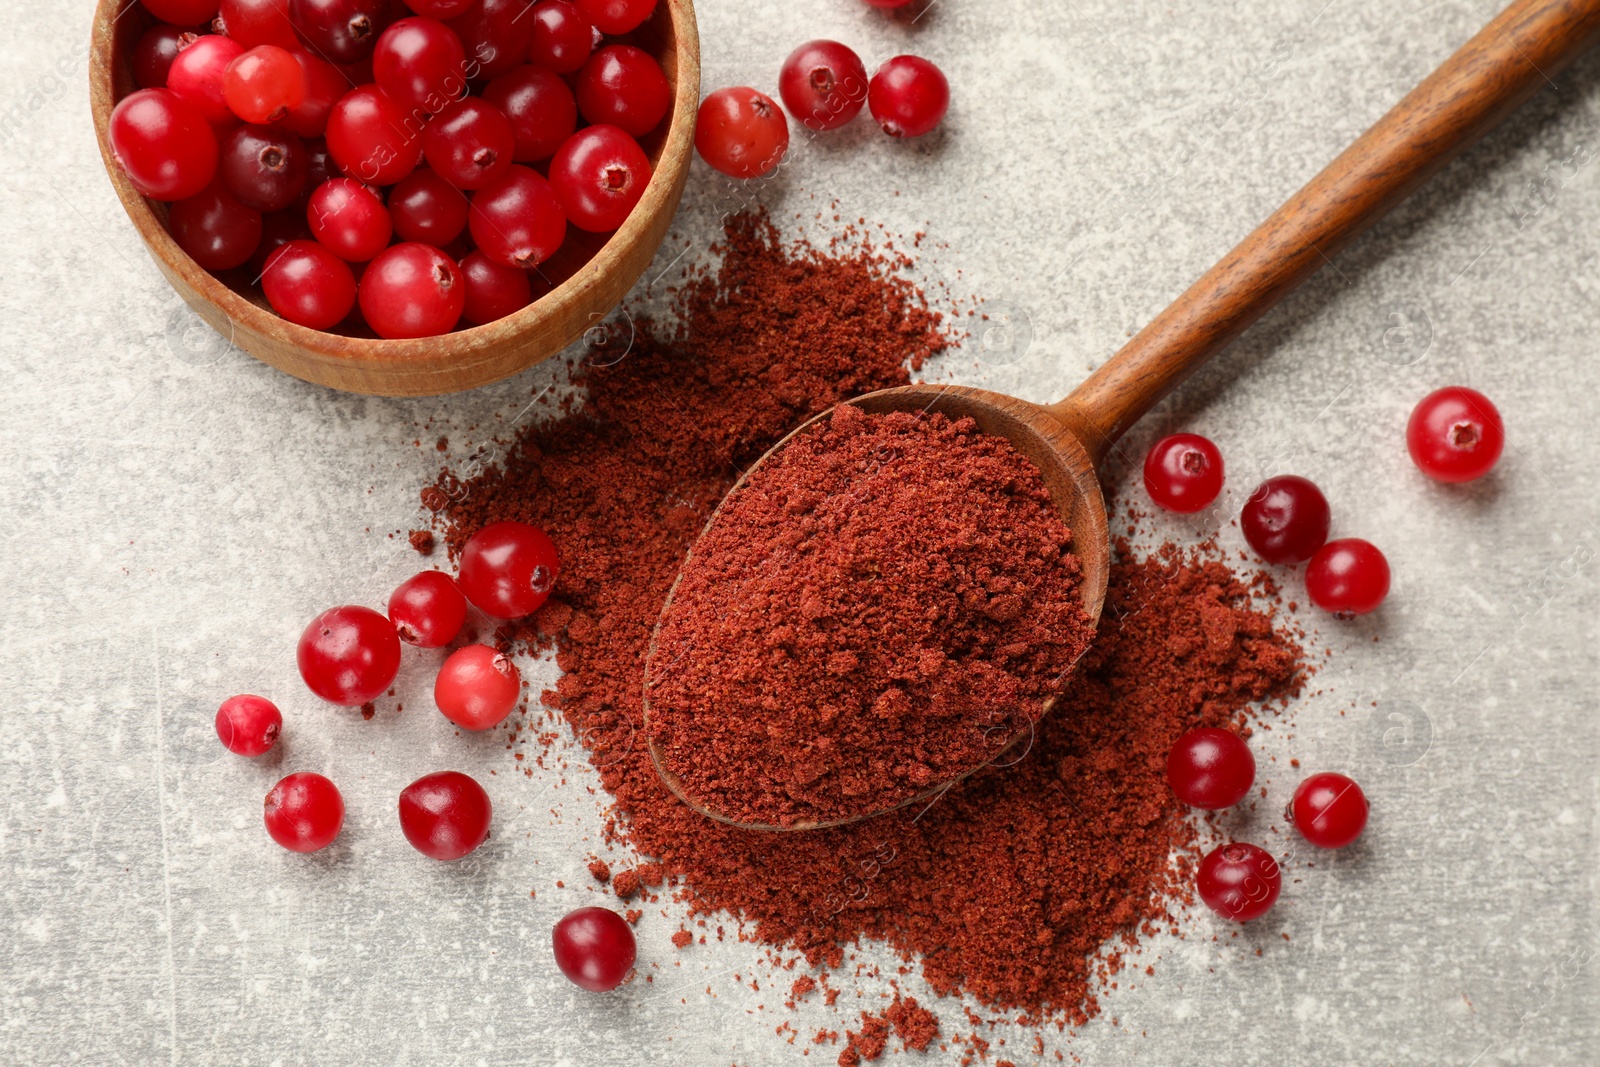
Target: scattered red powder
913	1024
422	541
881	606
682	938
600	870
1012	883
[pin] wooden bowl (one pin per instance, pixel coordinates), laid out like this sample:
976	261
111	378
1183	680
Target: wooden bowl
588	277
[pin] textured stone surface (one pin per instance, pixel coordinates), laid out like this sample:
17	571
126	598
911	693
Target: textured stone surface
175	511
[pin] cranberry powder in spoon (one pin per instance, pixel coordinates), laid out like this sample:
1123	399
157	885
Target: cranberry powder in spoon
880	607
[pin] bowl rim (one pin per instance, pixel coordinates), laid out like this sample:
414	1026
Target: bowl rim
469	347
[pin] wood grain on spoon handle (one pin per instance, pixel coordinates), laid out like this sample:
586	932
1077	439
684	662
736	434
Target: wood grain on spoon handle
1492	74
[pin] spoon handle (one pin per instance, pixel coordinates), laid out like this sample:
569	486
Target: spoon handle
1490	76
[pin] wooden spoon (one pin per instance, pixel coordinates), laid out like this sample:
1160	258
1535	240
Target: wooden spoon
1491	75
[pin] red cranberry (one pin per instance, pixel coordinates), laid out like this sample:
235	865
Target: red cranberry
428	209
277	230
496	35
541	108
516	219
371	138
1329	810
1286	519
469	144
445	815
154	54
341	31
412	290
264	167
508	569
594	948
253	22
248	725
304	812
1211	768
420	63
1183	472
623	86
261	85
440	9
307	284
1348	577
350	219
1239	881
427	610
349	655
1455	435
617	16
563	37
823	84
216	230
163	144
198	75
598	176
477	687
908	96
325	84
741	132
494	290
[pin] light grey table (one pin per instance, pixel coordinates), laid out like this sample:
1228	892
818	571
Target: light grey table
176	511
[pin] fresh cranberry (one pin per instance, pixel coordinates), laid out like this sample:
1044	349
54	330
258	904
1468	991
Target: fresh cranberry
248	725
427	208
617	16
320	167
1455	435
199	73
517	220
253	22
563	37
412	290
277	229
908	96
1286	519
1347	577
350	219
216	230
598	175
427	610
371	139
1183	472
445	815
741	132
325	84
594	948
440	9
264	167
541	108
348	655
420	63
341	31
477	687
494	290
155	52
508	569
261	85
496	34
823	84
1239	881
624	87
183	12
469	144
1211	768
163	144
1329	810
304	812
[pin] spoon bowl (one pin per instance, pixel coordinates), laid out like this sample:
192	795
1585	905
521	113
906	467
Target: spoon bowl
1493	73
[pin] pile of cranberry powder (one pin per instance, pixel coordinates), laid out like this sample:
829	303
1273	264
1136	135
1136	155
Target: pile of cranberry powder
1019	885
879	607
